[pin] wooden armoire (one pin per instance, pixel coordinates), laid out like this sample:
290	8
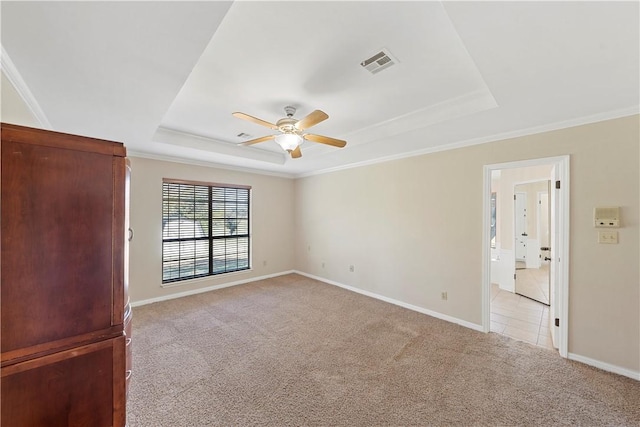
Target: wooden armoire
65	355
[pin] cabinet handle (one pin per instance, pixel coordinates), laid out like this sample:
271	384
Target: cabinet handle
127	375
127	342
130	234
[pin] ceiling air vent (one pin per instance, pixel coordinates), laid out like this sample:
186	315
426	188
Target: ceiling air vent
379	62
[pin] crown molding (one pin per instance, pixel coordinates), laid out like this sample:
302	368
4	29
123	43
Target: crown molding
564	124
165	158
610	115
184	139
11	72
454	108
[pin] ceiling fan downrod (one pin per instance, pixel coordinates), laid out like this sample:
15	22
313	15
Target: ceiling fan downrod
289	111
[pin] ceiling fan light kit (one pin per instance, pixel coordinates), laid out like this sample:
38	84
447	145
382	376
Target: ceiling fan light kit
291	135
288	141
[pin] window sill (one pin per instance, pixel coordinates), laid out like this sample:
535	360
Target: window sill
205	279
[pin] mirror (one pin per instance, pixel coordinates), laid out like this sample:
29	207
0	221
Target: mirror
531	240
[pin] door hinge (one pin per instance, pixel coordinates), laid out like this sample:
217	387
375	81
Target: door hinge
514	197
514	276
557	185
557	322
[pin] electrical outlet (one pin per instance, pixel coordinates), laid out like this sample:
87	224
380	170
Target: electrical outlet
443	296
352	268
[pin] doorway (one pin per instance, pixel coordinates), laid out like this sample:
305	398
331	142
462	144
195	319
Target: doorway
502	253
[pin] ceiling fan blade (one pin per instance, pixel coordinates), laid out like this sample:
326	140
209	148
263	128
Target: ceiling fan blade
296	154
255	120
325	140
312	119
257	140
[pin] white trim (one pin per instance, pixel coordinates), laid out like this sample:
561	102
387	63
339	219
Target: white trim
564	124
486	255
207	289
615	114
164	158
605	366
543	161
561	172
181	139
449	109
412	307
14	77
187	282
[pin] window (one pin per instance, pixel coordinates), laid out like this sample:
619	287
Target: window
205	229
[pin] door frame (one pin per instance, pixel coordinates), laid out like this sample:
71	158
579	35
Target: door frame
560	241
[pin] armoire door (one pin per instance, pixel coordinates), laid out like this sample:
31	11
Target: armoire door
62	239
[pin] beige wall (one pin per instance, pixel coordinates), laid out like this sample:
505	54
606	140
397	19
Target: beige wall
271	225
413	228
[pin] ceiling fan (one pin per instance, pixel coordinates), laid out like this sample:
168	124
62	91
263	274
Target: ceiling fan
291	131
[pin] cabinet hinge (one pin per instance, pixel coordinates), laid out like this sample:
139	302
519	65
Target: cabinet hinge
557	322
557	185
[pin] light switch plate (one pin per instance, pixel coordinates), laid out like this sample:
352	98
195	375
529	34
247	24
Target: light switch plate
608	237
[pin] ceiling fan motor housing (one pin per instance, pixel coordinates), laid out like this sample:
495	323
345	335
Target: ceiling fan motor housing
287	125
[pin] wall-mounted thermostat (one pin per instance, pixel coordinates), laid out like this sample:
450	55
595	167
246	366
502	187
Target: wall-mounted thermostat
606	217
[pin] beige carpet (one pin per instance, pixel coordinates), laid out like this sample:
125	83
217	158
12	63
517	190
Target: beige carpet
291	351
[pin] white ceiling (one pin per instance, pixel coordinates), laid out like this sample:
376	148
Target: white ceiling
164	77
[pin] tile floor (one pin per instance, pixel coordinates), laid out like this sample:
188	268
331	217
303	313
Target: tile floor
520	318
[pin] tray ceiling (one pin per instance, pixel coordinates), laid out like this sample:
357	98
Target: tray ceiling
164	77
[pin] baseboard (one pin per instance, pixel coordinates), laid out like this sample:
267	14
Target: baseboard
422	310
572	356
207	289
605	366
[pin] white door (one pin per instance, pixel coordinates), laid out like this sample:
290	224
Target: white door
555	239
544	221
520	200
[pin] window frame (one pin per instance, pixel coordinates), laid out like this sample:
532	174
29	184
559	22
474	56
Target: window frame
210	237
